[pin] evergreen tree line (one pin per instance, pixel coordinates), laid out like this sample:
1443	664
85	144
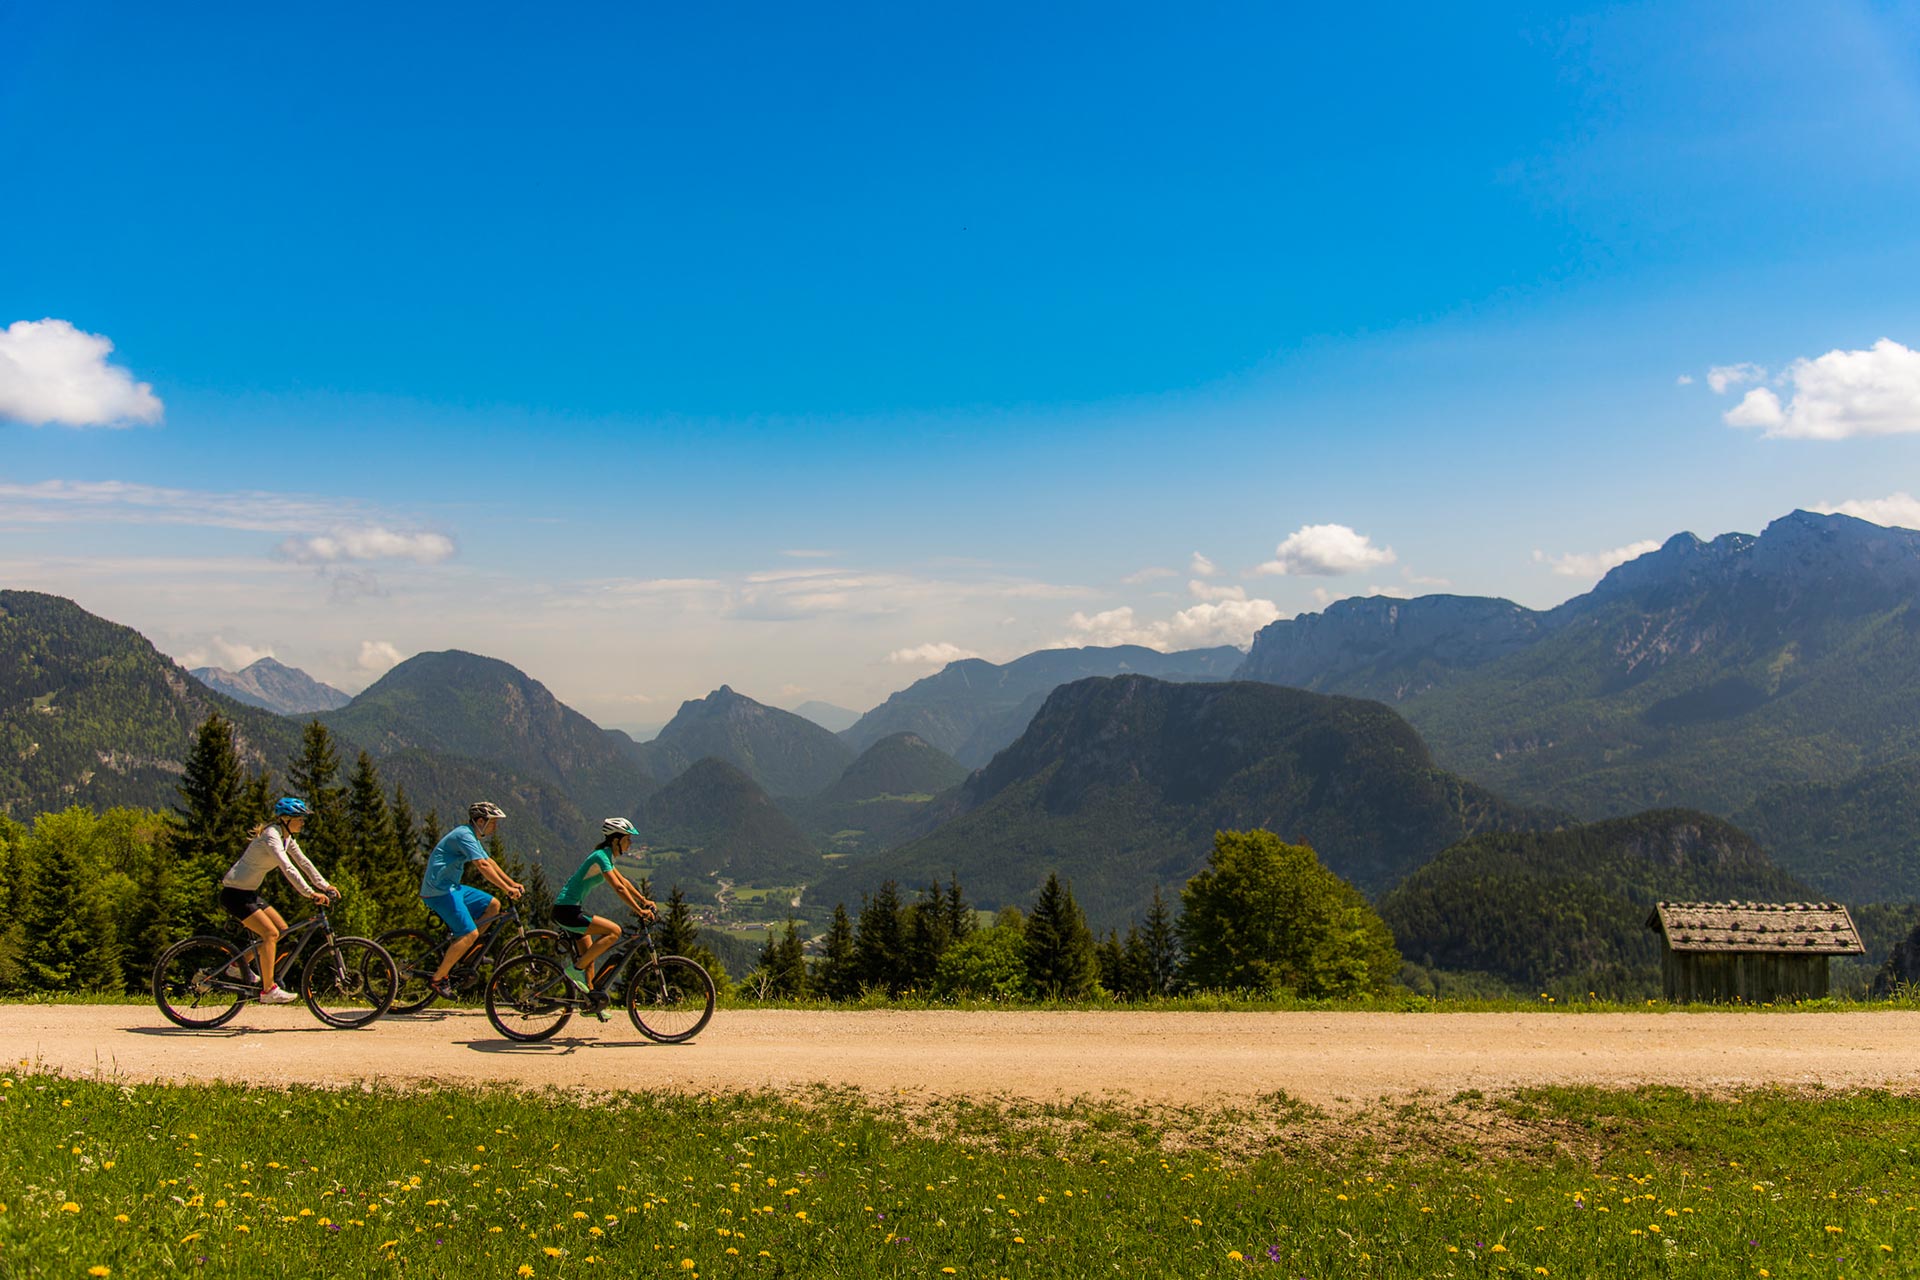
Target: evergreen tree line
88	901
1264	916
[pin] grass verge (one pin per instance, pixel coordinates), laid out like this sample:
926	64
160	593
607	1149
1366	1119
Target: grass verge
99	1179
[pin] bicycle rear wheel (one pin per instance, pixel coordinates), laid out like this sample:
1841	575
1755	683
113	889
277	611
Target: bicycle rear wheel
349	982
416	954
670	999
192	985
528	998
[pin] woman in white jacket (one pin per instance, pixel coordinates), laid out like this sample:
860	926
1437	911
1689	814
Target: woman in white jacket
273	846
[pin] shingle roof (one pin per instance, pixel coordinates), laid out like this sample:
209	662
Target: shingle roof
1804	928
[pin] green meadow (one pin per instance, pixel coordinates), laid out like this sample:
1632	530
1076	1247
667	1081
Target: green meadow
99	1179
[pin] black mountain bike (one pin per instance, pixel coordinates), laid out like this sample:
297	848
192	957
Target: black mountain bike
202	982
669	998
418	952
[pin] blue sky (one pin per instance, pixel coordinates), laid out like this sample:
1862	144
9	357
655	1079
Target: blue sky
556	336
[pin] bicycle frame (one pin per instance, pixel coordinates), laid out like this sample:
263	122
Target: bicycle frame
613	964
285	960
490	934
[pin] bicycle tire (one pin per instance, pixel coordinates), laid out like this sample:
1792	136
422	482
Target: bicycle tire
349	982
525	998
181	983
416	953
670	999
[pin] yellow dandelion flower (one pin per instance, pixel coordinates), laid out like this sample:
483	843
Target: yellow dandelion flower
946	1271
106	1164
190	1238
552	1252
1234	1255
1019	1239
524	1270
99	1271
69	1207
1498	1248
578	1214
686	1264
733	1251
118	1217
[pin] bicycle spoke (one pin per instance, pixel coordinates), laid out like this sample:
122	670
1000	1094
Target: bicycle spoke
349	982
201	982
529	998
670	999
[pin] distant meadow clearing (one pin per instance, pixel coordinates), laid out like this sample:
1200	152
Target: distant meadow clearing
102	1180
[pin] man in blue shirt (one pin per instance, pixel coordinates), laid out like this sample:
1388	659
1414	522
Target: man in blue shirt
455	903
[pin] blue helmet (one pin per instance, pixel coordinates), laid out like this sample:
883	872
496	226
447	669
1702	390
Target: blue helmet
291	807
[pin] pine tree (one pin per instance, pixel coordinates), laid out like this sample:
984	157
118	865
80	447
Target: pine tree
430	833
14	870
677	933
960	920
367	847
1159	949
1111	960
311	775
69	934
790	964
215	821
1060	956
927	936
879	942
406	833
836	978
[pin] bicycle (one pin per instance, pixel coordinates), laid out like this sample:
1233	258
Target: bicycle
201	982
669	998
418	953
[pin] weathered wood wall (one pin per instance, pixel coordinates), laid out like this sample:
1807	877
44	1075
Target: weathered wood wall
1757	978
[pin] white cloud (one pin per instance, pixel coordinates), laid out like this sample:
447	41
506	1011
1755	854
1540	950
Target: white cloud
1207	591
1201	567
1896	510
1722	377
367	542
93	501
936	654
1203	625
1392	593
378	656
1147	574
1326	550
1420	580
1684	380
806	553
1595	564
1839	395
51	372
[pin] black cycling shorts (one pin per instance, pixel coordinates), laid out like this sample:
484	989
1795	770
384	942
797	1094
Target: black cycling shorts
572	919
241	903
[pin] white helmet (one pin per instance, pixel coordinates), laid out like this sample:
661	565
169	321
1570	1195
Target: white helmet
618	827
481	809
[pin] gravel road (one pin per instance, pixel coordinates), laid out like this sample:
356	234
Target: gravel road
1331	1059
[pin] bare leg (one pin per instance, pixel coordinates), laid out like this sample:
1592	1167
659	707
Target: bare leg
461	945
269	925
602	933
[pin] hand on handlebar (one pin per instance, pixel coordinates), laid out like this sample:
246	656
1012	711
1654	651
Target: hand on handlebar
323	898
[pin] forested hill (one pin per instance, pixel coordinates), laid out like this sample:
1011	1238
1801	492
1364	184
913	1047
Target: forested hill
786	754
1775	676
462	704
1119	785
1568	908
972	708
722	822
92	714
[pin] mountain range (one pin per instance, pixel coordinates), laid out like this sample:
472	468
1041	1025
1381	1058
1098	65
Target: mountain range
1119	784
972	708
787	754
1773	678
273	686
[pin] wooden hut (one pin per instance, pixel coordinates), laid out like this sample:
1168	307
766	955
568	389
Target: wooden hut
1757	952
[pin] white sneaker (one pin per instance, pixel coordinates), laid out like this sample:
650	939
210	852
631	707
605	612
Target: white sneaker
279	995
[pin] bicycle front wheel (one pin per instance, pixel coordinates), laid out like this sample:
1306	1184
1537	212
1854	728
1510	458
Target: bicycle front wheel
670	999
416	954
349	982
529	998
198	983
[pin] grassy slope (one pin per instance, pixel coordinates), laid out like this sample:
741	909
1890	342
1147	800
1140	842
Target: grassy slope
222	1181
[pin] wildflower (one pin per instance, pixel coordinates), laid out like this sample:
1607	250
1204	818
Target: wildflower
1833	1231
577	1214
1498	1248
69	1207
118	1217
1234	1255
686	1264
525	1270
552	1252
100	1271
244	1229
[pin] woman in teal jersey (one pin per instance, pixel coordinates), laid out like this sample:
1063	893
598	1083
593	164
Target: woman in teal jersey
595	934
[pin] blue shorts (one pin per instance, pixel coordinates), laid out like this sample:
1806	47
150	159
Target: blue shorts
459	907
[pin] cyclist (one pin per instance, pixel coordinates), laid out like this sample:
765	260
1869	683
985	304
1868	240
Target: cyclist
595	935
455	903
272	845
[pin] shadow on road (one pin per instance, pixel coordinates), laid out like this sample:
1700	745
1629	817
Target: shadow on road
219	1033
559	1046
